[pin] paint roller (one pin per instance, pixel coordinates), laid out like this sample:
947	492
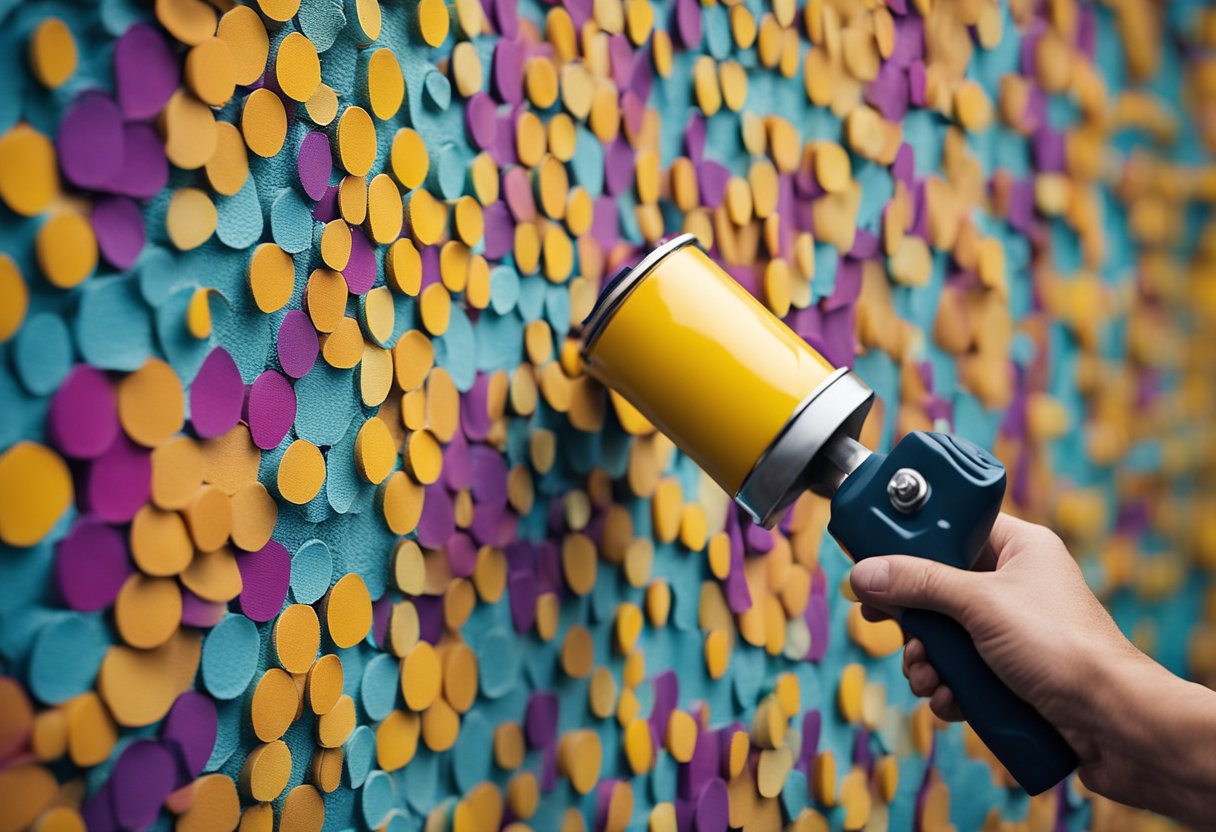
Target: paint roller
768	418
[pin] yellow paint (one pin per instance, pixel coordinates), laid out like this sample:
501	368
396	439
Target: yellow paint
26	790
301	472
335	725
509	746
433	21
343	348
375	451
577	653
190	131
702	359
297	67
639	747
211	71
243	31
401	501
303	810
385	85
274	706
440	726
52	52
190	21
460	674
92	733
213	576
580	755
297	637
147	611
228	167
66	249
264	122
191	218
376	375
397	740
348	611
139	686
408	158
14	298
266	771
35	491
385	213
254	513
356	141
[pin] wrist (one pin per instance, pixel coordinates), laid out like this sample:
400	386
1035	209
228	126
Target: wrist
1149	735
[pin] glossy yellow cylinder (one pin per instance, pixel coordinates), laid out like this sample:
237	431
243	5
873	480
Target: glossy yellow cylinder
705	362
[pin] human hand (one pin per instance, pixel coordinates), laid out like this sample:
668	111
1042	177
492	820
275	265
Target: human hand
1037	625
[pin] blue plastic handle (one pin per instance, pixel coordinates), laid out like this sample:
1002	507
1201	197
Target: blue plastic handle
966	486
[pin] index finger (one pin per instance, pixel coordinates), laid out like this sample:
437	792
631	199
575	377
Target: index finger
1006	531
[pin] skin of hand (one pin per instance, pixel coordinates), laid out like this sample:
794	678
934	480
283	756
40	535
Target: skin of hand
1144	736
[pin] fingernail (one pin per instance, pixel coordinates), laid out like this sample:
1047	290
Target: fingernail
872	575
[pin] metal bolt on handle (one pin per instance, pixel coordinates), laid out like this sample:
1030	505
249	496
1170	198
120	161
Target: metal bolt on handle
907	490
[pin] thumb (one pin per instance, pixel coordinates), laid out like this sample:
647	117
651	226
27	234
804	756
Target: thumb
901	581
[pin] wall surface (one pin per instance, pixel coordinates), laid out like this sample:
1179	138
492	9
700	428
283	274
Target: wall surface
311	519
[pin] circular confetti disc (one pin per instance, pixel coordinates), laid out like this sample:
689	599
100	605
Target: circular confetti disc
91	565
35	491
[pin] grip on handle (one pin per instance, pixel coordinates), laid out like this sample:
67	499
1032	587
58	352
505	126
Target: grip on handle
966	486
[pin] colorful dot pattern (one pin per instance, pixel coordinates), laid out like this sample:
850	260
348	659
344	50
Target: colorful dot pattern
310	517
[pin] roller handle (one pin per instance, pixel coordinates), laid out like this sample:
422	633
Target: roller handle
965	489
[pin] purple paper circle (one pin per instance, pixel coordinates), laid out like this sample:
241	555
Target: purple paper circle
199	613
508	72
618	167
216	395
145	168
712	807
98	810
360	271
265	576
712	179
606	221
517	194
457	471
491	525
143	776
298	344
314	164
145	72
620	61
540	719
83	417
688	22
119	481
506	16
91	565
271	409
580	11
189	731
91	142
481	120
438	520
119	227
489	476
462	554
326	209
431	273
499	235
475	413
